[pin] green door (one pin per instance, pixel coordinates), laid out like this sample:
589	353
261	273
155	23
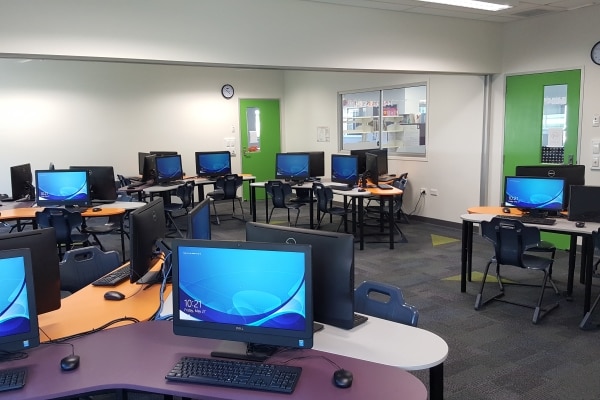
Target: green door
260	138
542	123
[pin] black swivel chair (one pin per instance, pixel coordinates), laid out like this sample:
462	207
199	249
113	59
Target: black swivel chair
517	245
185	193
325	206
66	225
280	194
226	188
384	301
586	322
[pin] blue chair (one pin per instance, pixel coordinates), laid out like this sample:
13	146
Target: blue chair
388	303
80	267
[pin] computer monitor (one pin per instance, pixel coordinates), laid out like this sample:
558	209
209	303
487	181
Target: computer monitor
361	154
382	160
344	169
372	168
534	195
21	182
141	159
332	268
199	225
213	163
163	153
573	174
102	183
18	317
146	225
316	163
168	168
149	171
63	187
255	297
292	166
44	261
584	204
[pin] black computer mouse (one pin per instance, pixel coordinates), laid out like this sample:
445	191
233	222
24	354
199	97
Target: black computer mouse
114	295
342	378
69	363
362	189
96	209
580	224
506	210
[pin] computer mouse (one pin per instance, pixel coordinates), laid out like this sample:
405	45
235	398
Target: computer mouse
361	189
342	378
114	295
96	209
580	224
506	210
69	363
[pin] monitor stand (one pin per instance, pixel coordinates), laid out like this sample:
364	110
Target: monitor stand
244	351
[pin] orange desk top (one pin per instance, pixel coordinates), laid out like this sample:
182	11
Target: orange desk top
382	192
87	309
29	213
497	210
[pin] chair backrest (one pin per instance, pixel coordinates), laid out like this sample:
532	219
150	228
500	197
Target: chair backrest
229	184
324	196
279	192
510	239
186	194
400	183
80	267
388	303
63	222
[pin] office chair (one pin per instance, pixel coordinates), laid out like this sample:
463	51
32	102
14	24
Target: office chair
173	210
226	188
82	266
65	224
384	301
325	206
280	193
586	322
512	243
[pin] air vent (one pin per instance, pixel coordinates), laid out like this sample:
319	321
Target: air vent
532	13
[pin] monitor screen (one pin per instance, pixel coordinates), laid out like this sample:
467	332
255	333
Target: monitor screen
18	317
382	160
584	204
146	225
168	168
213	163
63	187
141	158
149	172
102	183
362	158
292	166
256	294
316	163
534	194
199	226
372	168
44	260
21	182
344	169
573	174
332	268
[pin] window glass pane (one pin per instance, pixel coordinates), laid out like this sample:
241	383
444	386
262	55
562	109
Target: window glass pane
554	124
360	120
253	118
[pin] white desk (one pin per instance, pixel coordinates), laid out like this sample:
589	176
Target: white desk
382	342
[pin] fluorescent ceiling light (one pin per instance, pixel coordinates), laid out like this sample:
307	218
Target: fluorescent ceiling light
480	5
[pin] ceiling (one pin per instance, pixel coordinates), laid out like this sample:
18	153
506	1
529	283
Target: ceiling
521	10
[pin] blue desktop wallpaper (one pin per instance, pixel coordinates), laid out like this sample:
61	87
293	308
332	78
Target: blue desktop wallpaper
534	193
242	287
344	168
169	167
14	310
292	166
217	164
62	185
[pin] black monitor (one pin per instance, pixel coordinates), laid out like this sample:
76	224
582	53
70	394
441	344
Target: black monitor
63	187
213	163
102	183
344	169
292	166
163	153
372	168
382	160
149	170
146	225
199	226
361	154
316	163
18	317
141	160
332	268
534	195
21	182
573	174
168	168
44	260
255	297
584	204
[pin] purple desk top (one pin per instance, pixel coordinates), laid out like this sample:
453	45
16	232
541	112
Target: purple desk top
138	356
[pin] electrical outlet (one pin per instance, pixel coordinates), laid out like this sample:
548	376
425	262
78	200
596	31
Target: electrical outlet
423	191
433	192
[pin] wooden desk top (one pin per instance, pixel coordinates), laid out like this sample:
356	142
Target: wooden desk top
29	213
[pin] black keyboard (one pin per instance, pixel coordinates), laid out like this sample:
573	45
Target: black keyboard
526	219
236	374
359	319
343	188
113	278
384	186
13	378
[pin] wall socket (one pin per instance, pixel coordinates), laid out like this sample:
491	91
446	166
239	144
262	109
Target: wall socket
433	192
423	191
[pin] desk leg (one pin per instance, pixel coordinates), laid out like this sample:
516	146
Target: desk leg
572	260
310	205
122	228
436	382
253	202
466	249
361	223
587	252
391	222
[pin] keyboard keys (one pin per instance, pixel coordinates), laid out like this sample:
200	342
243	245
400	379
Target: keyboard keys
113	278
13	378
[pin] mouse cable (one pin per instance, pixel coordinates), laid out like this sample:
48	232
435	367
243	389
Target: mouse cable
330	361
101	328
166	268
12	355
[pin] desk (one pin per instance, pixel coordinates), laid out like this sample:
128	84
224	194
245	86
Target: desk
562	226
382	342
137	357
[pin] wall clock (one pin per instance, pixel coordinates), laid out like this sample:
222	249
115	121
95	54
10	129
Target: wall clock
227	91
595	54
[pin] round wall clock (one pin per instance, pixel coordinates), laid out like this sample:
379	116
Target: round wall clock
227	91
595	54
